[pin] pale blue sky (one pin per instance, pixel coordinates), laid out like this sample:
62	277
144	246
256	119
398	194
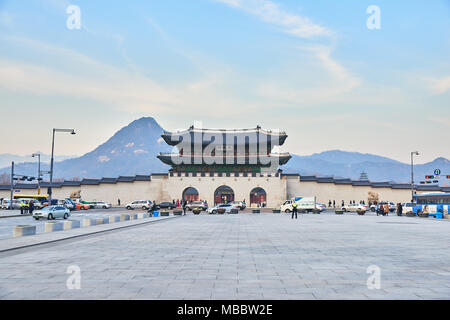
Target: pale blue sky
312	68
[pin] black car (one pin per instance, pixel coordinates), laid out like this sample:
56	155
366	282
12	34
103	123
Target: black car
166	205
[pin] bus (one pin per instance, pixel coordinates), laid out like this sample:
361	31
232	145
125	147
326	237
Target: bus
435	204
39	197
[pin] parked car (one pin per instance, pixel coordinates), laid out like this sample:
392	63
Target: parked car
166	205
82	206
6	203
227	208
103	205
67	203
51	213
197	204
139	204
239	204
407	207
321	207
353	207
54	202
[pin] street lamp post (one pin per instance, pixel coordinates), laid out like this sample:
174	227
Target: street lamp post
39	171
12	187
71	131
412	173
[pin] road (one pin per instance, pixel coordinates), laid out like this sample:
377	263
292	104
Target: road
245	256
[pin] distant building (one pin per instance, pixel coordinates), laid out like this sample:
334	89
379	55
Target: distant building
223	165
363	177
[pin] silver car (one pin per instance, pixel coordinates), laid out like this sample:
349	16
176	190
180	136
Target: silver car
102	205
6	204
51	213
215	210
139	204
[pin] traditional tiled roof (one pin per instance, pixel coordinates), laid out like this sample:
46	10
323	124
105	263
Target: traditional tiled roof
339	181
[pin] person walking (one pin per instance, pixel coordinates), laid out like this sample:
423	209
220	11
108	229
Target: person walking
118	202
31	207
21	207
184	208
294	210
399	209
329	203
386	209
334	203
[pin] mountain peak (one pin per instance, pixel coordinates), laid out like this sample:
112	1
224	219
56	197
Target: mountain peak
441	160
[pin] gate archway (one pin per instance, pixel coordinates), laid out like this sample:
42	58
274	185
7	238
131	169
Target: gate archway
258	196
223	194
190	194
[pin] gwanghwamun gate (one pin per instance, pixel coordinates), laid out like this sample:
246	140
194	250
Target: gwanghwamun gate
219	165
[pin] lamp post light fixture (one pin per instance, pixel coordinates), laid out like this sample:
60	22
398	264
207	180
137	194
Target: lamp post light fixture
414	153
71	131
39	171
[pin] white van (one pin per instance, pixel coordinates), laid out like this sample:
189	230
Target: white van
305	204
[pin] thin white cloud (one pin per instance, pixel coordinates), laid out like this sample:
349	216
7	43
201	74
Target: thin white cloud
271	12
438	85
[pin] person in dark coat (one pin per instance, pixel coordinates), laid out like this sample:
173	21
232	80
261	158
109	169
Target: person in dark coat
399	209
184	207
31	207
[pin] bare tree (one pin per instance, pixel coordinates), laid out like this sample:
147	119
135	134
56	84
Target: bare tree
5	178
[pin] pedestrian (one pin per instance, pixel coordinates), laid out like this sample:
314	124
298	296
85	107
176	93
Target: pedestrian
31	207
399	209
118	202
329	203
184	208
21	207
343	203
386	209
294	209
334	203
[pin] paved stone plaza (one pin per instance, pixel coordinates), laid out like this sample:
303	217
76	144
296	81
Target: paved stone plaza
245	256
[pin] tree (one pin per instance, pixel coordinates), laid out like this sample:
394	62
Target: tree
5	178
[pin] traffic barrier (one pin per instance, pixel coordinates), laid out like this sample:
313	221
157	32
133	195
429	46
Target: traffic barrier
53	226
142	215
24	230
87	222
114	219
99	221
133	216
124	217
276	211
164	213
177	213
71	224
256	211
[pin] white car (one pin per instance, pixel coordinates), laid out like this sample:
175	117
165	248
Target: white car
321	207
139	204
6	204
354	207
407	207
51	213
102	205
227	208
239	204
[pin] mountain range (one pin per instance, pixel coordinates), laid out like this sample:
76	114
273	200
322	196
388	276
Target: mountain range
133	150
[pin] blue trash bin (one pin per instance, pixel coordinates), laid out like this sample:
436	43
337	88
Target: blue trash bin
155	213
